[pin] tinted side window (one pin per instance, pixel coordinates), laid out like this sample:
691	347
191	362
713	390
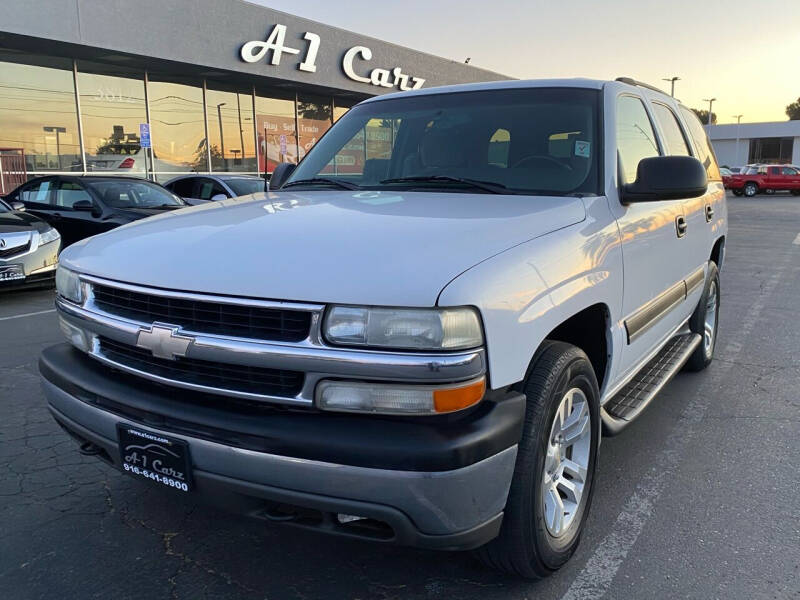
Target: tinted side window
789	171
37	193
674	141
183	187
635	136
705	153
68	193
208	188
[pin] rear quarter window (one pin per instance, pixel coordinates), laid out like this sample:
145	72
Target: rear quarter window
704	150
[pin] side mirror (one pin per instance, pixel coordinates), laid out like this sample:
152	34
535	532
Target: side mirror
83	205
218	197
281	173
18	206
666	178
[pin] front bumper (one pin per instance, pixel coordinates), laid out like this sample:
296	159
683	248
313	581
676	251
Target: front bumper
438	483
38	265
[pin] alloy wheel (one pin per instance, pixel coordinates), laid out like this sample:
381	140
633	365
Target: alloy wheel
566	463
710	325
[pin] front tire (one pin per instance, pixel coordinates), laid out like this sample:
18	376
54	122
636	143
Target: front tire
705	321
750	189
551	491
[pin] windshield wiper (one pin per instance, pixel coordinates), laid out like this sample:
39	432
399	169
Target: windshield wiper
324	180
489	186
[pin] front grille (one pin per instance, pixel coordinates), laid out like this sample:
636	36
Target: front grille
9	252
237	378
202	316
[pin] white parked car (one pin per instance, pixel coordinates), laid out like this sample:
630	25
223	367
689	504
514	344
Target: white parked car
424	350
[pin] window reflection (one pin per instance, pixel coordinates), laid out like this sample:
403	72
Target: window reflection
177	126
314	117
230	130
112	107
275	131
38	117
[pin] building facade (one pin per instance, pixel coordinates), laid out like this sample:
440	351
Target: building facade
748	143
157	88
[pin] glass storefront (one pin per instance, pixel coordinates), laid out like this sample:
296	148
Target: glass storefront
230	130
195	125
38	114
276	124
112	106
177	126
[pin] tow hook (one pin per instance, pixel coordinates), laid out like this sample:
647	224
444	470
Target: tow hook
90	449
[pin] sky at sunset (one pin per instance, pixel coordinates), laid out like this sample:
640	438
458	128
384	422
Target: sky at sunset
745	54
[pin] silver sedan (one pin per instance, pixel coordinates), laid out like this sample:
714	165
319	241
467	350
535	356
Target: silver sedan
28	249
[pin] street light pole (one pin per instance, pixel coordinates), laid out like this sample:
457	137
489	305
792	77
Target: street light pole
738	124
672	81
221	137
58	131
710	104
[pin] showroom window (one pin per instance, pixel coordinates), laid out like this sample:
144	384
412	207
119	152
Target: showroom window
230	129
112	108
314	117
275	131
177	126
38	115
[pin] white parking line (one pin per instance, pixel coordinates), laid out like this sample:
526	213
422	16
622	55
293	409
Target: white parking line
796	241
594	580
32	314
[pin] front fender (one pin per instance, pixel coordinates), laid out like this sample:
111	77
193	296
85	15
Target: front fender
525	292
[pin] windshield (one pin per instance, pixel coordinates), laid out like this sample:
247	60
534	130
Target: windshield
242	186
122	193
528	141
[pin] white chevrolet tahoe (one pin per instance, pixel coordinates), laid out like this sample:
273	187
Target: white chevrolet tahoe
419	335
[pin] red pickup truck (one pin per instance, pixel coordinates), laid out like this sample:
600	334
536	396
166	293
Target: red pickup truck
764	178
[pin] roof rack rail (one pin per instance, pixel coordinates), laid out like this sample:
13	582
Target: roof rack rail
632	81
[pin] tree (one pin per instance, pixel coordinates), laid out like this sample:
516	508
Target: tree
793	111
702	114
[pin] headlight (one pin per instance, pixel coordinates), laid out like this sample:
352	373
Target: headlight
68	285
404	328
51	235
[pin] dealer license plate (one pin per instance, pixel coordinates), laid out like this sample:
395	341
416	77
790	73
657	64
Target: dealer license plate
11	273
162	460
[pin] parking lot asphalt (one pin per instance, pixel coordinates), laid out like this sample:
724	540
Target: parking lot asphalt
700	498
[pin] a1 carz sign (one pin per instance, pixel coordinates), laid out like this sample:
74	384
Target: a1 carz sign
274	47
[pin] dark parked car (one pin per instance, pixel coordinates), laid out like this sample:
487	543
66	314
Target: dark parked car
214	187
82	206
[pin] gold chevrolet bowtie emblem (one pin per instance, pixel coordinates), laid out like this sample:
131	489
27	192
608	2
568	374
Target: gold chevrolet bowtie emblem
164	341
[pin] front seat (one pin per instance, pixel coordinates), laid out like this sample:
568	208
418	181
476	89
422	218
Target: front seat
438	151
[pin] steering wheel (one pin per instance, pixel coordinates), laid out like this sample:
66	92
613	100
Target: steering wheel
536	157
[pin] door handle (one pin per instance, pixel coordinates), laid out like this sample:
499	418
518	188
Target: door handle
680	225
709	213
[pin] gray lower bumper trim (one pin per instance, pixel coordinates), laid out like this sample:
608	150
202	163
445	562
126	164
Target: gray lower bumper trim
437	503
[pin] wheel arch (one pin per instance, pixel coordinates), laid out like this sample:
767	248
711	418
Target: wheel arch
590	330
718	252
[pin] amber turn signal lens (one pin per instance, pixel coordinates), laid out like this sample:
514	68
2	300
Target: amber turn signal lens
459	398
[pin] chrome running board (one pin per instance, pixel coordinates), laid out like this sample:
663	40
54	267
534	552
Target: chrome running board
631	400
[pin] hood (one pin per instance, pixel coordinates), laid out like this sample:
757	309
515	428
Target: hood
13	222
323	246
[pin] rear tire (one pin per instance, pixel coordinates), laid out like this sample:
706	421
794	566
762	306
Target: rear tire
737	192
705	321
795	192
560	435
750	189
